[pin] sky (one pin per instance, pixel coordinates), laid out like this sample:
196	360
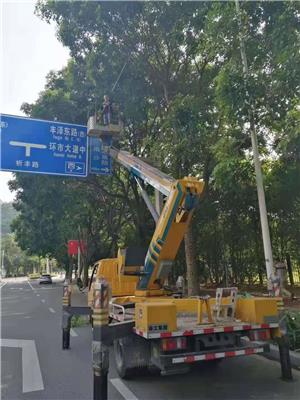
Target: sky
29	49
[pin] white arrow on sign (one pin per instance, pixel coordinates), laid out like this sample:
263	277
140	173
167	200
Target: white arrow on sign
32	376
27	146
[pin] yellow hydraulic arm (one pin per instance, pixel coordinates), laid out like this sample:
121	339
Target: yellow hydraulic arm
182	197
169	232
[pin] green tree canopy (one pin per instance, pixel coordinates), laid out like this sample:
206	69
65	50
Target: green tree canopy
185	104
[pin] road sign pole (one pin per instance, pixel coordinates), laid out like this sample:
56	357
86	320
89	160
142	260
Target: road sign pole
100	350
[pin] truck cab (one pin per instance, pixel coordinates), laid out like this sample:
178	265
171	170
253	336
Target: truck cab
122	273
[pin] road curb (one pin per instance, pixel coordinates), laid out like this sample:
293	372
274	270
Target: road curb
274	355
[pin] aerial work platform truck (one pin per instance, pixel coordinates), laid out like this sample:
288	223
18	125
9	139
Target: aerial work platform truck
149	325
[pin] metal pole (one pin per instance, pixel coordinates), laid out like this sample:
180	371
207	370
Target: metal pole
257	164
66	317
100	350
78	260
285	361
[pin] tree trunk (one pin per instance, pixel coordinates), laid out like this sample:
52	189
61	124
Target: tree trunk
289	268
191	263
85	279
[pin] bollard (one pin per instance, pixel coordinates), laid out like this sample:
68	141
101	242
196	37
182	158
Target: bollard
66	319
100	350
283	344
67	293
285	361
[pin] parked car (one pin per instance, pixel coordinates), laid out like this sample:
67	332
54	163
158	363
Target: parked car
45	279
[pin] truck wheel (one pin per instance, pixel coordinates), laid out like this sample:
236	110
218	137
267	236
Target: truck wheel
132	356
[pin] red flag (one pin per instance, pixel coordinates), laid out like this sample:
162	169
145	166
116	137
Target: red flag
73	246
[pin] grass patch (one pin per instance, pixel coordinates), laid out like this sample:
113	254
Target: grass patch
79	320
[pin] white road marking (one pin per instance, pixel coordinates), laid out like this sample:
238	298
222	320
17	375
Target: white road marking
38	294
43	300
31	286
32	376
123	389
11	315
51	310
3	284
73	333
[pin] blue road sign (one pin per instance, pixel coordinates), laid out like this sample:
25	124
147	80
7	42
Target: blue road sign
100	161
43	147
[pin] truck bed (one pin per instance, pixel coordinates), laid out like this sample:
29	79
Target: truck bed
187	325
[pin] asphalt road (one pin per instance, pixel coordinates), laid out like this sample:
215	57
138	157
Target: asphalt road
35	367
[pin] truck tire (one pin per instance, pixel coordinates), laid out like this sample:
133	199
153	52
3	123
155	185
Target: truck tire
132	356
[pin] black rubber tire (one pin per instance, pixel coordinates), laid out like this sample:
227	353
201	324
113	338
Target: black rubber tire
123	351
124	371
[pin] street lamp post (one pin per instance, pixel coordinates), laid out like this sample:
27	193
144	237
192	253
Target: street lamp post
258	172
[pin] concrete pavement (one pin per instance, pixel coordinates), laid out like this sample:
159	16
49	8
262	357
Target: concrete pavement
31	312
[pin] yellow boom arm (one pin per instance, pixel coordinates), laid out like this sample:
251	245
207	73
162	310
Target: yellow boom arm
169	232
182	197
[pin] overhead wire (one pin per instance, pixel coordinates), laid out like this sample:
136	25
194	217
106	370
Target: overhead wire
119	76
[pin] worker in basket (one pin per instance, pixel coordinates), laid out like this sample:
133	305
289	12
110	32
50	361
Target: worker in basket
106	110
110	112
